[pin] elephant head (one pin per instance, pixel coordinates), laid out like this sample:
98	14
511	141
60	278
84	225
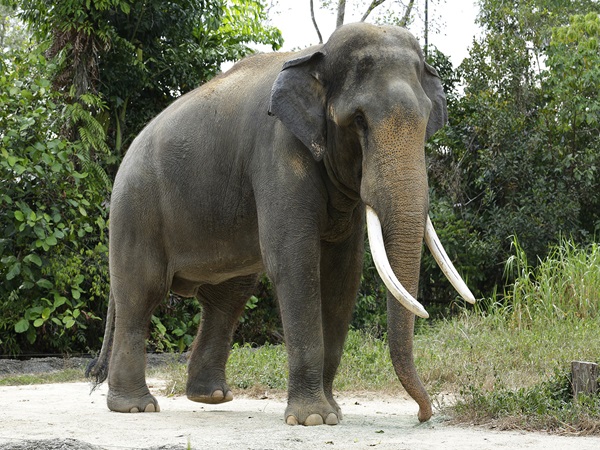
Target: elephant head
364	103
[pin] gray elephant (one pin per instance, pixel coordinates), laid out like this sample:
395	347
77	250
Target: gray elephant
272	167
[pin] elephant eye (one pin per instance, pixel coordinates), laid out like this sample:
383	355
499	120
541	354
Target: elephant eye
360	121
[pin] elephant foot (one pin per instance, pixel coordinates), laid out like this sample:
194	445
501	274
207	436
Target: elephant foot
213	392
313	419
125	404
215	397
311	415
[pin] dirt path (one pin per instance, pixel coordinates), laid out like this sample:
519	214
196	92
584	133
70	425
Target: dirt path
66	416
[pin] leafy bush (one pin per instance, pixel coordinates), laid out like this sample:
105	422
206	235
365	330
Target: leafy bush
52	251
174	324
260	324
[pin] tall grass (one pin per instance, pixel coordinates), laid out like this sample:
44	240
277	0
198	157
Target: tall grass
547	317
564	286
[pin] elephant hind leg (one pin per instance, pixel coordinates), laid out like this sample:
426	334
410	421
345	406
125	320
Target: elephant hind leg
222	306
134	304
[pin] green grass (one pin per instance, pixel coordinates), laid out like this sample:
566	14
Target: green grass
517	373
565	285
61	376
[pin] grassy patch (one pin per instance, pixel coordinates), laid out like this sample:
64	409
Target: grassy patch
61	376
516	373
548	406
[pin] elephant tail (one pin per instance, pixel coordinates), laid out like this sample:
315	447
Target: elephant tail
97	369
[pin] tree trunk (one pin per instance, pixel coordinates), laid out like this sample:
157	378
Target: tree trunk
314	21
340	13
374	4
585	378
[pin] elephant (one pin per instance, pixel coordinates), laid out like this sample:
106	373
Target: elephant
275	167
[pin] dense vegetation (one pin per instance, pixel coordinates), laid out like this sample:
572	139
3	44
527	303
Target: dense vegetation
73	93
520	157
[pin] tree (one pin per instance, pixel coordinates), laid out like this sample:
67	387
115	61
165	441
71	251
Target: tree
521	153
390	16
53	225
12	33
96	71
571	115
137	58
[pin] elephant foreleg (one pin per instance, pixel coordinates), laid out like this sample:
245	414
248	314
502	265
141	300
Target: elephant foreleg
292	263
341	266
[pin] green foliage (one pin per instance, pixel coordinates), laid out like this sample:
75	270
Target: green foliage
370	312
572	112
52	251
263	368
522	151
174	325
547	318
260	323
140	55
12	33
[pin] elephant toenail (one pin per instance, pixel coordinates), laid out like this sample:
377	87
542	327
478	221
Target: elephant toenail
150	408
134	410
314	419
217	394
332	419
291	420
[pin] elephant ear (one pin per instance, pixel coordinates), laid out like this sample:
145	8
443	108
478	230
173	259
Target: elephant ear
298	100
432	85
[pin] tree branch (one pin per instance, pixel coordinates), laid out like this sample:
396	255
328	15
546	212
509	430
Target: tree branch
374	4
340	13
312	15
406	17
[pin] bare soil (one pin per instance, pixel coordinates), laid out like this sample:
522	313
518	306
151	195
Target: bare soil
67	416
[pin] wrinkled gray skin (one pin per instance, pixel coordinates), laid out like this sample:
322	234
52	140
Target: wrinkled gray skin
216	190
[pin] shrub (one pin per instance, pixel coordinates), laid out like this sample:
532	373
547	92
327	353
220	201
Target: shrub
53	226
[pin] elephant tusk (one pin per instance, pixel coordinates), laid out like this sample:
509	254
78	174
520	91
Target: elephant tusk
382	264
441	257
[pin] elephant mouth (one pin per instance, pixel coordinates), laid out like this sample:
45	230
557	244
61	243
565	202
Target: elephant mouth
382	264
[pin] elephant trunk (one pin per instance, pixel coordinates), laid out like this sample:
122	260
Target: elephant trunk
402	207
400	337
403	231
395	191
